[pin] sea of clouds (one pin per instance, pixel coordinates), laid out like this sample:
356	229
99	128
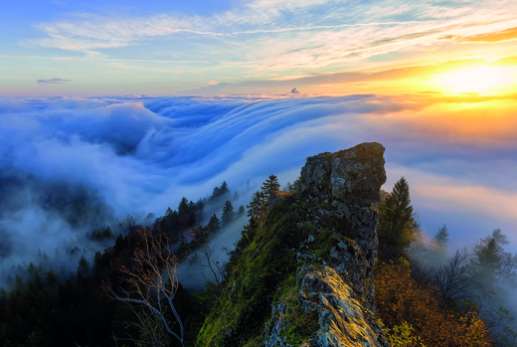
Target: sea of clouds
112	157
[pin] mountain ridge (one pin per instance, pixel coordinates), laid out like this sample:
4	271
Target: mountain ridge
303	273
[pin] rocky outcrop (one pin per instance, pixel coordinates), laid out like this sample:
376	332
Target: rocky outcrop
349	176
343	319
339	191
302	275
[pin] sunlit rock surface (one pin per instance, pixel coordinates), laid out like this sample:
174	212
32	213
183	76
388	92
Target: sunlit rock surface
303	276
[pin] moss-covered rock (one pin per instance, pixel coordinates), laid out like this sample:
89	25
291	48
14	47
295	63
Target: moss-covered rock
254	275
302	275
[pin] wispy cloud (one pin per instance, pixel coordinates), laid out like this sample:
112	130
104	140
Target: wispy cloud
164	52
54	80
87	32
496	36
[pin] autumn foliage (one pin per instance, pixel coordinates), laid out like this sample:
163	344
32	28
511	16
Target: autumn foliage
401	299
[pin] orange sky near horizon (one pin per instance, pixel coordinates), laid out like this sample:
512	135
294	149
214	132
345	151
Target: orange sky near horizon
467	80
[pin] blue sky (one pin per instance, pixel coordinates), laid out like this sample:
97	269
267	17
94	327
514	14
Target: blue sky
461	159
165	47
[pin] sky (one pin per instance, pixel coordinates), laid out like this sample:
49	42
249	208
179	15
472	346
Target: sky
139	103
220	47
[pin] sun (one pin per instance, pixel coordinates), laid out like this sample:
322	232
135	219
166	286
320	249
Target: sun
483	80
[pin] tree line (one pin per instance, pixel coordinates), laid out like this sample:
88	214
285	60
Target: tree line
463	291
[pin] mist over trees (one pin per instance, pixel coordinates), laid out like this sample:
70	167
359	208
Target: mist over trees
128	294
482	277
469	283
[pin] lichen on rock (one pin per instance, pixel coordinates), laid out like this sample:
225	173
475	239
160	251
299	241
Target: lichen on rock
310	261
343	319
340	191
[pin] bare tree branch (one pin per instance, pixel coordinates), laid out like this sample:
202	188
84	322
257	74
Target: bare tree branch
149	282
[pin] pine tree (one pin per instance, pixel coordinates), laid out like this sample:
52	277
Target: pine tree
442	237
228	213
257	206
220	191
270	188
490	267
490	258
183	207
397	225
224	188
169	222
186	213
213	224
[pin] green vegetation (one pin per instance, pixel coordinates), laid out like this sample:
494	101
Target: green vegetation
253	276
397	225
261	274
43	308
443	301
418	306
299	324
228	213
401	335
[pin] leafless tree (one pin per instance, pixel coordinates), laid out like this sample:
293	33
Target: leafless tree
452	279
215	267
149	288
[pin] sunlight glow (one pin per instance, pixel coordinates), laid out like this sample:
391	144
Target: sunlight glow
476	79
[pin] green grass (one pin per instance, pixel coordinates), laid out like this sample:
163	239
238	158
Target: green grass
298	325
254	274
261	272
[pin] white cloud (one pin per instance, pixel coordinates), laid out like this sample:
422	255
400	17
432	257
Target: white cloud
142	155
277	39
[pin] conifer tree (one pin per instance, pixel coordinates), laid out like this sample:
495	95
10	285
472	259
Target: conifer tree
490	259
183	205
270	188
397	225
256	206
228	213
186	213
220	191
224	188
83	269
442	237
213	224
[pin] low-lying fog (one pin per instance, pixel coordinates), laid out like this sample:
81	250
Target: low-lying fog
68	165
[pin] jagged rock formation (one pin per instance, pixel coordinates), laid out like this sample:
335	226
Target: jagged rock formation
303	276
340	189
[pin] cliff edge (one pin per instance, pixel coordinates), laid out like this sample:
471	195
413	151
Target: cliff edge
302	274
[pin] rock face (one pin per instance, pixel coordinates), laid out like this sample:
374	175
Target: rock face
302	275
340	191
343	319
350	176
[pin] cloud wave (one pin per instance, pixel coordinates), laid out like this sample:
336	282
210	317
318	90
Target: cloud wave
139	155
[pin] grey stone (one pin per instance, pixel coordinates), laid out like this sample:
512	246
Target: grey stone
340	191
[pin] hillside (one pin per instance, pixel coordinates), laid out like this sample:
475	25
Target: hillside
303	272
326	262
